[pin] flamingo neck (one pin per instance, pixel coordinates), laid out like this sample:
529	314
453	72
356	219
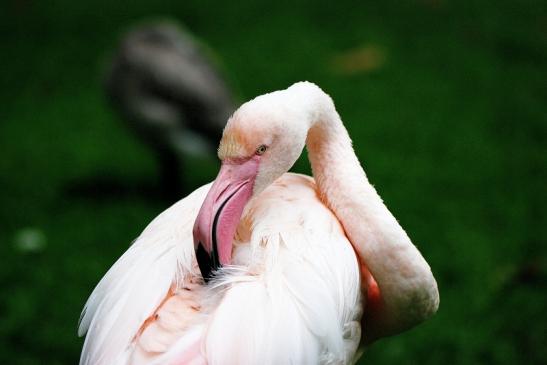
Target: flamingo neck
336	169
379	240
341	181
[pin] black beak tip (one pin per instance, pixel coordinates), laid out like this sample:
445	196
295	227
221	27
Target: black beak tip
205	262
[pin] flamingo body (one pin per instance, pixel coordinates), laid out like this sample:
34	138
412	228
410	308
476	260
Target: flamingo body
292	296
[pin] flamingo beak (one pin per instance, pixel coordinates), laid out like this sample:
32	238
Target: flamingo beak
220	213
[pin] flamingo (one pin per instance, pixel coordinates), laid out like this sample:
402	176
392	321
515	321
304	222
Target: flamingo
168	89
263	266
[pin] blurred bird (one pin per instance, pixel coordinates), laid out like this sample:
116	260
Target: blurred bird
264	266
167	88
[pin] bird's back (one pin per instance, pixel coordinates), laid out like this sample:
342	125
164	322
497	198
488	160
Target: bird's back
292	294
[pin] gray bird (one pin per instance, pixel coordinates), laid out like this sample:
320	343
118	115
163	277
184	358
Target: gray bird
167	88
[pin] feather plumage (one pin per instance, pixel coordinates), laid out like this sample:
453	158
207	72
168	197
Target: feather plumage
138	282
291	295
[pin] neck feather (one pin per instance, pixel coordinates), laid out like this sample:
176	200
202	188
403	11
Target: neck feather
403	276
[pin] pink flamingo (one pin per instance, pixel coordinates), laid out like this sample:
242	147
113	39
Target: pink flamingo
294	268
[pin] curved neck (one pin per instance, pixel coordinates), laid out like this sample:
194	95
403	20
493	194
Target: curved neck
341	181
401	272
336	169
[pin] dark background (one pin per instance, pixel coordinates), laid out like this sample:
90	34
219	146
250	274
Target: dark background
445	101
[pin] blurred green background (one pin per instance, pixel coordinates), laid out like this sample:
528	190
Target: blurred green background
446	102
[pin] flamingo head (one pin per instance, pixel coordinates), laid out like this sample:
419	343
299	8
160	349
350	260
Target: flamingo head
260	142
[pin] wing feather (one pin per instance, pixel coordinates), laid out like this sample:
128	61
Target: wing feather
293	294
137	283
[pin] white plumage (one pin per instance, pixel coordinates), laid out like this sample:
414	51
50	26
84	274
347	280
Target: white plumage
292	296
138	282
296	260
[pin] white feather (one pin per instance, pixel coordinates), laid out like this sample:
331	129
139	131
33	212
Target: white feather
137	283
292	295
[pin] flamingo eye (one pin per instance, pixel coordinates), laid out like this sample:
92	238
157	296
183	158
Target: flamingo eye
261	149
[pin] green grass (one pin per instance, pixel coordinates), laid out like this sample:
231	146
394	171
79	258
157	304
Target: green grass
450	125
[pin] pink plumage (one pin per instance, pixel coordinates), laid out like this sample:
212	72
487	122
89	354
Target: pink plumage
300	258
